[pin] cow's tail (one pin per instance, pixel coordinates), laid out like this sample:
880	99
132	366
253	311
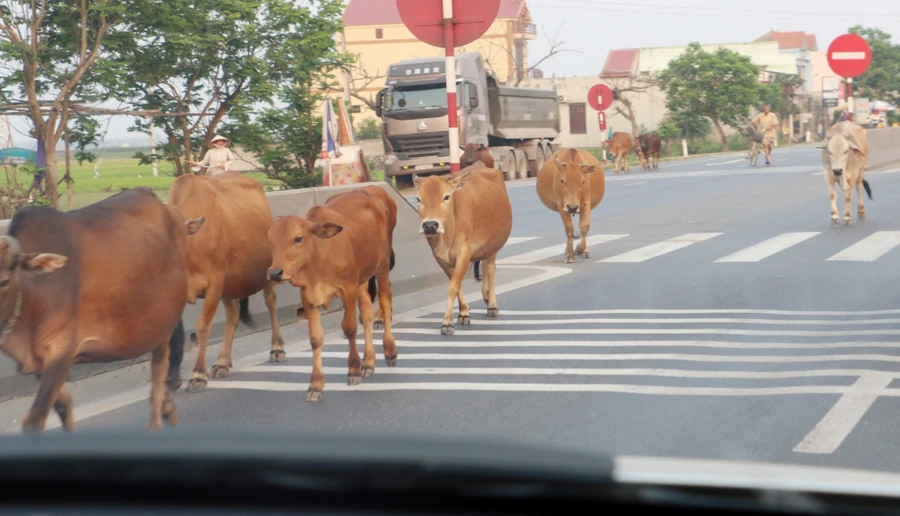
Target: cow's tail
373	287
868	189
478	275
176	355
244	312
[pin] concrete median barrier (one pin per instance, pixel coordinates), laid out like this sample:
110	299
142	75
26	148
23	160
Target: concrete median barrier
415	270
884	147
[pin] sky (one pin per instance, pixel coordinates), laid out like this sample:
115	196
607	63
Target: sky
590	28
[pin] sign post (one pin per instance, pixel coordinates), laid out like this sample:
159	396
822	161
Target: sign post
849	56
449	24
600	97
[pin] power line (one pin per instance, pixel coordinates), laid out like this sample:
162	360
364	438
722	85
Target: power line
723	9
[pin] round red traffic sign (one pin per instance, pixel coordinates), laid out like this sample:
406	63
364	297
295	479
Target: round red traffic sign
849	55
472	18
600	97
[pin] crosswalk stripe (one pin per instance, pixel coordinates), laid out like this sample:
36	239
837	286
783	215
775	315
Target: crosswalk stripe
659	248
767	248
712	320
554	250
519	240
618	357
650	311
651	331
870	248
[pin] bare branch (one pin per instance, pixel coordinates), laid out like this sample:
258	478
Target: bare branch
363	81
556	47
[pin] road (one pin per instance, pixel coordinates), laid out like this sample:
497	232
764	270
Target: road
719	315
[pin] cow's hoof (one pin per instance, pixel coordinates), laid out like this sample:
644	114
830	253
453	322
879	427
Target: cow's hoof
848	222
219	371
170	413
464	320
584	254
354	379
277	355
861	215
391	361
835	221
493	312
447	329
173	383
368	371
377	325
570	259
196	385
313	395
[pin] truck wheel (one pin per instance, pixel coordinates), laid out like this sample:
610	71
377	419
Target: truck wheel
509	166
521	164
535	165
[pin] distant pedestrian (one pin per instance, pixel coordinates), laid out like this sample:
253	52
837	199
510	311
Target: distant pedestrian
218	158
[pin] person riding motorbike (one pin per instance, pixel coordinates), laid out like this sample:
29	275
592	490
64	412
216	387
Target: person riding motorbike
766	123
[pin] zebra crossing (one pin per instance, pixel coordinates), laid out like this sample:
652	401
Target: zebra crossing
735	353
869	248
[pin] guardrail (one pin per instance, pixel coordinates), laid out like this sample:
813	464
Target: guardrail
415	269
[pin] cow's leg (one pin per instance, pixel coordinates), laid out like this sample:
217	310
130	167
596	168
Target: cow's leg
832	196
223	364
860	207
490	296
584	220
277	353
848	199
453	290
159	392
570	235
53	378
198	380
63	407
366	314
465	312
350	327
385	302
316	341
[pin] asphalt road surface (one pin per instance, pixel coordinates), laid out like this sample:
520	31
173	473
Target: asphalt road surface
719	315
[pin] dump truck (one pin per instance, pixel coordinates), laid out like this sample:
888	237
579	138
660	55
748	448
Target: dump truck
517	125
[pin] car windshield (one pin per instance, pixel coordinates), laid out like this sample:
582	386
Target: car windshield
423	97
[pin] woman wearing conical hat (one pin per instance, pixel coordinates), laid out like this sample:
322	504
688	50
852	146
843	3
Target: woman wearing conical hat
218	158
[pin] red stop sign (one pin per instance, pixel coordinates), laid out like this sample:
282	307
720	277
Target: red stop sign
849	55
472	18
600	97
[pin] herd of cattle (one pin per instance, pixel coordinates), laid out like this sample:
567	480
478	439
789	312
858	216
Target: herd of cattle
646	146
110	281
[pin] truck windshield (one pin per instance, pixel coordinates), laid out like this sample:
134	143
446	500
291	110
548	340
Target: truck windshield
424	97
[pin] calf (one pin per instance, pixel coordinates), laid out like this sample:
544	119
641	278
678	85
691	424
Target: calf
619	146
568	185
473	153
333	253
647	147
100	284
844	156
465	217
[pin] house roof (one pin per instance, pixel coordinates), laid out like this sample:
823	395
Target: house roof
620	63
384	12
791	40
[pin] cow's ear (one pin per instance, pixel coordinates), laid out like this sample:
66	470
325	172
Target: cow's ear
41	263
326	230
856	150
416	180
559	164
459	180
590	169
194	225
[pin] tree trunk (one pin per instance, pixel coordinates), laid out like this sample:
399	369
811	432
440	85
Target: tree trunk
721	134
68	175
52	177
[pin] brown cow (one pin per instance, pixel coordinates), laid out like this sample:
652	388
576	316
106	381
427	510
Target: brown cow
465	217
619	146
568	184
473	153
333	253
118	293
844	156
226	262
647	147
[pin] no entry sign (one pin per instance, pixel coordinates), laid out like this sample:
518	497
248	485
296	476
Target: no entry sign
471	19
600	97
849	55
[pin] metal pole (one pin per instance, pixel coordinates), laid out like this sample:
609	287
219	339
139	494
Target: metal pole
850	107
153	149
345	80
602	135
452	118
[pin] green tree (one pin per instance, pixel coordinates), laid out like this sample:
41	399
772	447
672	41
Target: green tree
720	85
49	50
369	129
882	80
668	132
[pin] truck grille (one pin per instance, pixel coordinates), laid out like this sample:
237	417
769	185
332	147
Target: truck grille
421	145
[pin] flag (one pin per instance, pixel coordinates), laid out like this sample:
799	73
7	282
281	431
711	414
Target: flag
330	146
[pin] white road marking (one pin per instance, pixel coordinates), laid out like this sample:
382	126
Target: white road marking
767	248
663	320
870	248
553	344
659	248
845	414
554	250
638	183
518	240
726	162
847	313
535	371
680	357
651	331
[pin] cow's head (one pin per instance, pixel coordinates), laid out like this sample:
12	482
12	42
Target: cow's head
293	242
471	154
573	183
435	198
838	149
15	263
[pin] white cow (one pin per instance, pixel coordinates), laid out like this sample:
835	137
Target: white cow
844	155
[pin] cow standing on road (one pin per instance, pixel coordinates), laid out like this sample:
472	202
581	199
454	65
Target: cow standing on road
333	253
619	146
465	217
100	284
647	147
571	183
844	155
227	262
473	153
